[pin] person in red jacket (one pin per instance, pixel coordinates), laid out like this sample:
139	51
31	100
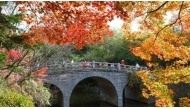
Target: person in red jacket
122	63
84	63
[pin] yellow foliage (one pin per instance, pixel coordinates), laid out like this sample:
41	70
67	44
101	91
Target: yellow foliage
166	44
184	102
164	103
156	81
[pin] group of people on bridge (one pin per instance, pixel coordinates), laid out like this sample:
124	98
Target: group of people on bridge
105	64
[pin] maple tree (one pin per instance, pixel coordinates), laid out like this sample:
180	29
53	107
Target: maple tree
16	72
61	22
161	38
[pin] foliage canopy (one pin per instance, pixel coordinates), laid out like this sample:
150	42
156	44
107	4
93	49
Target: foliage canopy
85	22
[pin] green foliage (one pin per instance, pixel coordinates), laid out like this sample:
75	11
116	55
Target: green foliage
135	84
113	49
39	93
188	95
123	50
9	32
14	19
3	57
134	81
54	53
35	47
1	82
19	70
11	98
76	57
2	3
9	38
98	52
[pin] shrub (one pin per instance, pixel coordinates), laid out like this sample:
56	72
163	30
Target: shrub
11	98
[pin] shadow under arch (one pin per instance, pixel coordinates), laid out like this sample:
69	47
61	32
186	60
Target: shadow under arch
56	99
107	92
132	97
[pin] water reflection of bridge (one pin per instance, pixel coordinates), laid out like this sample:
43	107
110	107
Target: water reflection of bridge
111	78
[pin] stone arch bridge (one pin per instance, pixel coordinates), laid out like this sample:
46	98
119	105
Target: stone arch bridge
112	79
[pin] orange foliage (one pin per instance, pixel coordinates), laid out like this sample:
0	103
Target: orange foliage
184	102
164	103
40	75
85	22
59	22
41	72
161	37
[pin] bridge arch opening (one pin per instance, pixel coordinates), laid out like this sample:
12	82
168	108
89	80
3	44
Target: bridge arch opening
101	90
56	99
132	96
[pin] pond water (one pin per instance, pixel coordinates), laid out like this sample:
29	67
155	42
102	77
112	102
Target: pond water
89	99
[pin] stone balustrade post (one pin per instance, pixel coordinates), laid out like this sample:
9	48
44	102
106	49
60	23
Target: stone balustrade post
93	64
146	68
119	66
131	69
65	65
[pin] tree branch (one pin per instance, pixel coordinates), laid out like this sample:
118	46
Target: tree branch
178	18
14	9
158	7
16	66
32	69
154	9
149	12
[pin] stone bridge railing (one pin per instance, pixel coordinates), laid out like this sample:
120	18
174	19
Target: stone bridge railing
93	66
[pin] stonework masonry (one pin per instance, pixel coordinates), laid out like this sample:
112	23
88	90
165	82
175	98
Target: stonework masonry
111	84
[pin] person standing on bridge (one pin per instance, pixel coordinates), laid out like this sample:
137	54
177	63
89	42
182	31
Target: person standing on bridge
122	63
72	62
84	63
137	66
88	64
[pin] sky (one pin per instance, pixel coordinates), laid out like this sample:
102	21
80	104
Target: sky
117	24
